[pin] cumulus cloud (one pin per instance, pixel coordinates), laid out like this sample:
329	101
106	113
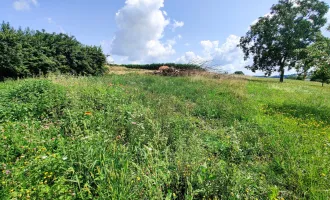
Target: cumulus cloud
21	5
225	57
141	25
177	24
189	57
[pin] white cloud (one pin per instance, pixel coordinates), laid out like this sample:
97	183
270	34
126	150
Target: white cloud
189	57
225	57
141	26
173	41
177	24
21	5
187	44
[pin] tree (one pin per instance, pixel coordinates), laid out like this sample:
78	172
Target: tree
26	53
239	73
318	54
274	39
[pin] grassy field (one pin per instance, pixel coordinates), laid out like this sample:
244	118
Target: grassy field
136	136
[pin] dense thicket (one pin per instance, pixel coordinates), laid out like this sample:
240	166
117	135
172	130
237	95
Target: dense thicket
26	53
155	66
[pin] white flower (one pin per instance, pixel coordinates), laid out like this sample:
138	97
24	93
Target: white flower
65	158
44	157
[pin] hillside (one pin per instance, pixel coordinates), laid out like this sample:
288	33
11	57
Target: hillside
139	136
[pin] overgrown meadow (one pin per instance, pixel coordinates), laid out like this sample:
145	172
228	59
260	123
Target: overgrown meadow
148	137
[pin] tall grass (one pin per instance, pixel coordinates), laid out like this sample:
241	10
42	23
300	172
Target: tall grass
149	137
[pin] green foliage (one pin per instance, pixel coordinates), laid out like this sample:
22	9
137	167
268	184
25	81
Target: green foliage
274	40
318	55
38	99
239	73
26	53
149	137
155	66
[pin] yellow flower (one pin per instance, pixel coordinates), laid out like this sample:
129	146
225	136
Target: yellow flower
174	195
323	174
138	178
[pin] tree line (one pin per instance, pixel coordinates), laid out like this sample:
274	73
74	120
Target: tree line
25	53
155	66
290	37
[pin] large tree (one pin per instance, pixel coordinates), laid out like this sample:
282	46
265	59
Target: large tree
274	40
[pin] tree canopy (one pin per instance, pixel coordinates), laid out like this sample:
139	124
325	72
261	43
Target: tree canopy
26	53
318	54
274	40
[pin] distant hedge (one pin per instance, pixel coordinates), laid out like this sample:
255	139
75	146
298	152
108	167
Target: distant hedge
156	66
26	53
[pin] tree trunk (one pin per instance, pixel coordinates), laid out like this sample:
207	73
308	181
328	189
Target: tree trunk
282	74
322	84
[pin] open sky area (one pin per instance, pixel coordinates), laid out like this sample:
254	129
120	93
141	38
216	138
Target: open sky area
147	31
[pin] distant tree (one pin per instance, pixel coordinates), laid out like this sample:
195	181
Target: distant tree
274	39
318	54
239	73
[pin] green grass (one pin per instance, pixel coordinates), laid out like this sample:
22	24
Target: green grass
149	137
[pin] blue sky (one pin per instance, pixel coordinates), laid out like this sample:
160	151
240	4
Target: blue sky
145	31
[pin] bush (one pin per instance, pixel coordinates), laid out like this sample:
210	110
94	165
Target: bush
26	53
239	73
39	99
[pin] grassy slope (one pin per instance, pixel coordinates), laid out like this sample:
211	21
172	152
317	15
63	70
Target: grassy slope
147	137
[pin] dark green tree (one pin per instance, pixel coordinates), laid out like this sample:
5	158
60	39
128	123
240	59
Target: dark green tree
318	54
239	73
26	53
273	41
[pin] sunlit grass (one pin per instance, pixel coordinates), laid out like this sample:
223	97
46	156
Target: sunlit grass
136	136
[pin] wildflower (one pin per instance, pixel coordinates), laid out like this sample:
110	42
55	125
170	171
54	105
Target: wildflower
134	123
65	158
88	113
174	195
7	172
138	178
44	157
323	174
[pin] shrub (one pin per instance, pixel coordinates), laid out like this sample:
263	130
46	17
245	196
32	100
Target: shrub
239	73
39	99
26	53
